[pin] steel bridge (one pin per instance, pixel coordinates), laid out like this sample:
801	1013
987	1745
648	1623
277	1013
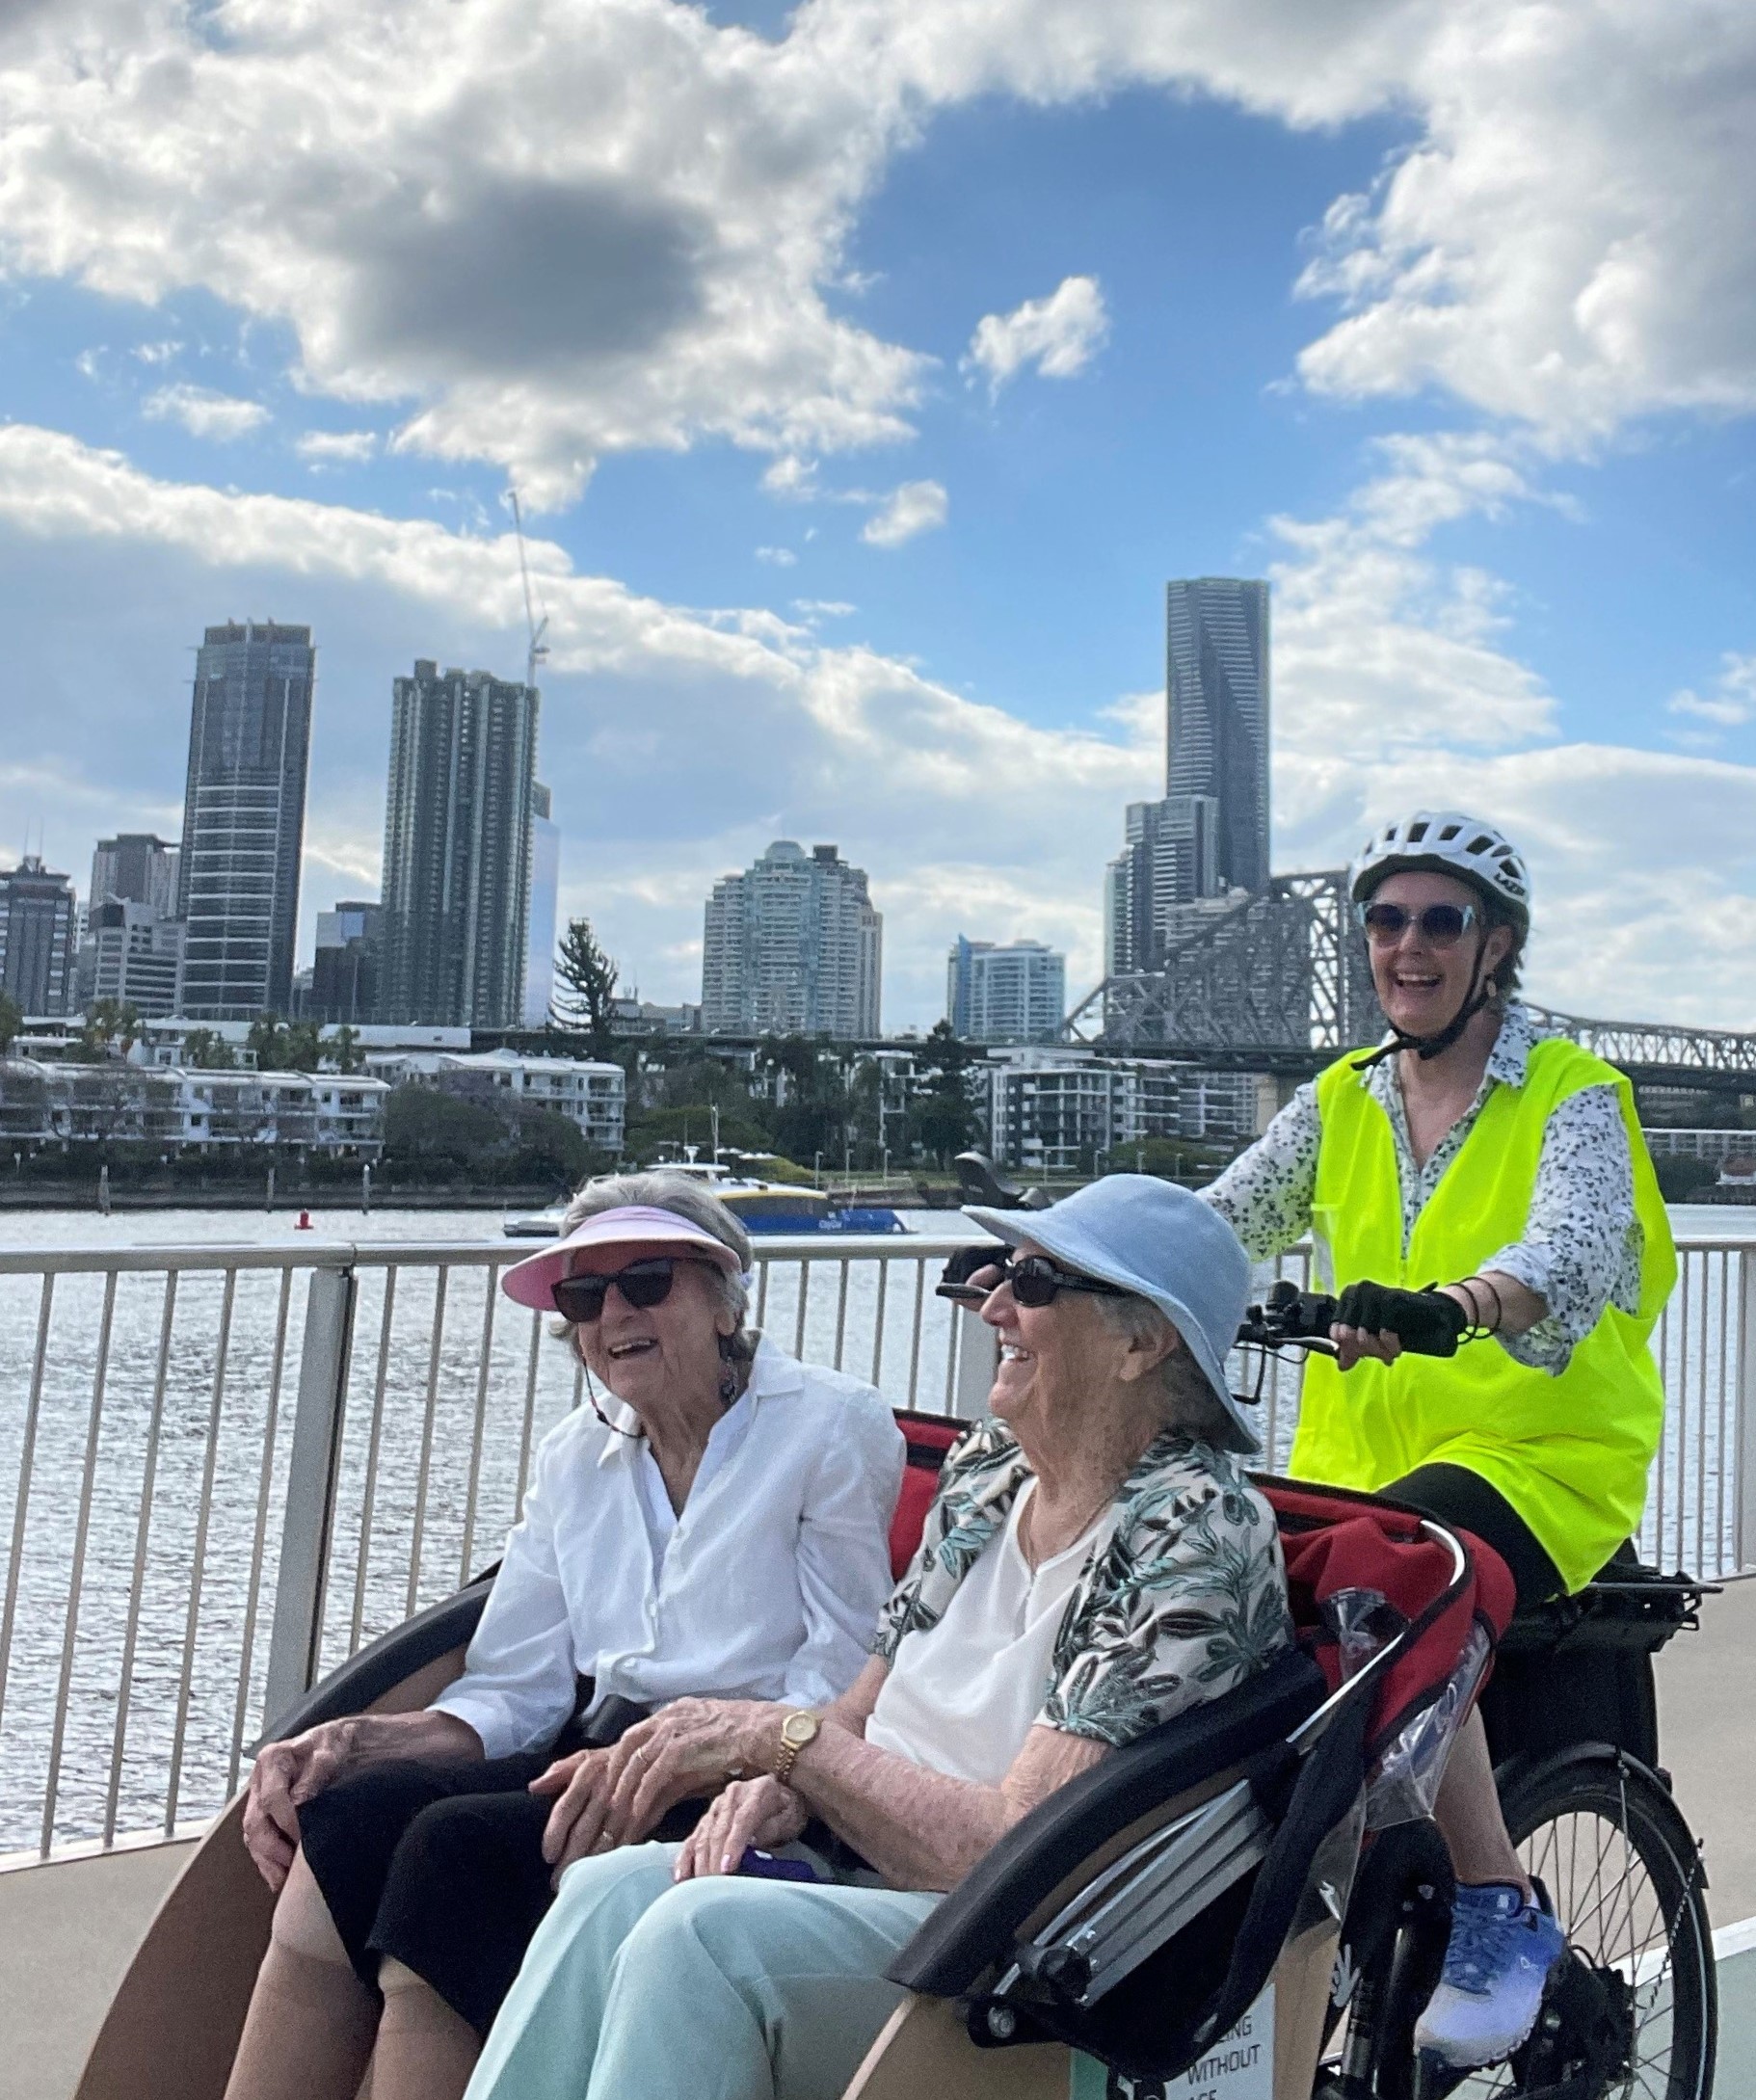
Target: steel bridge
1275	983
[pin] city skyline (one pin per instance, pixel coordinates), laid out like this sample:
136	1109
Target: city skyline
852	479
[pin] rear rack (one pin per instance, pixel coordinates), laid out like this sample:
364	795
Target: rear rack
1637	1608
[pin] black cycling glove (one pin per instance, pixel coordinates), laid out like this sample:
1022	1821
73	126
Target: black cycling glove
1426	1323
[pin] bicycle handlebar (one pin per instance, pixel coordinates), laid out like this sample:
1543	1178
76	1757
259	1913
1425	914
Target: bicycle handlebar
1291	1317
1302	1319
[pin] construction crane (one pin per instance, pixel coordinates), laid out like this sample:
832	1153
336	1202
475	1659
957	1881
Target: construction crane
537	628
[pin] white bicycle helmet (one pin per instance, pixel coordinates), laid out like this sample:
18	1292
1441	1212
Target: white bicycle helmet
1447	842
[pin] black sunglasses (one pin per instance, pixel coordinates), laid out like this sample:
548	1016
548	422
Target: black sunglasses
642	1284
1034	1279
1442	925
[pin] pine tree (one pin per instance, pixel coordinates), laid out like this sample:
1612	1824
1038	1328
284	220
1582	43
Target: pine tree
585	994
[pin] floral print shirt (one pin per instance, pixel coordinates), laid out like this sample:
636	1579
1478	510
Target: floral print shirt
1581	1245
1186	1599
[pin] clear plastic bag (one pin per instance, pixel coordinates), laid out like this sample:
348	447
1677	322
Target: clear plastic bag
1363	1621
1405	1782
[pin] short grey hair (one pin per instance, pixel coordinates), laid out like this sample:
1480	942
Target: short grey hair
1187	1401
695	1206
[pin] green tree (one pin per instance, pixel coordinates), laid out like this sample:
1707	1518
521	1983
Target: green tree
941	1121
112	1025
585	993
11	1022
302	1047
344	1047
653	1130
550	1148
266	1043
206	1050
425	1127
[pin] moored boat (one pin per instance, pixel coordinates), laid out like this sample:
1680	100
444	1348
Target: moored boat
763	1206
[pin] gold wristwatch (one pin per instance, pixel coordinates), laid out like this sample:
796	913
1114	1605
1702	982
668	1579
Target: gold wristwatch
799	1728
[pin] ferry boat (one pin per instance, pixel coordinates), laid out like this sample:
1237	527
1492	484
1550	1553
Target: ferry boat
760	1206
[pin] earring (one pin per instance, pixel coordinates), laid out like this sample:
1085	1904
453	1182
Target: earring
728	1385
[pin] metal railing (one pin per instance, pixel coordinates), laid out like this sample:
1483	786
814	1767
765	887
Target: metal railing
234	1466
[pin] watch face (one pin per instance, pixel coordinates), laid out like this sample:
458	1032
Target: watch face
798	1729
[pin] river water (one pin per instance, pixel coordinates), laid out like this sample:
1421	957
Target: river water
435	1447
157	1729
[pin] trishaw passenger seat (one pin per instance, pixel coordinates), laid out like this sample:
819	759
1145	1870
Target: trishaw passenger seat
973	1927
929	1437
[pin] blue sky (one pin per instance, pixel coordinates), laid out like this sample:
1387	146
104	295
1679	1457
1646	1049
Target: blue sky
867	377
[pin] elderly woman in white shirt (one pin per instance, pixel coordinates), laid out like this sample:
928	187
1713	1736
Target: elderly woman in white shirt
719	1528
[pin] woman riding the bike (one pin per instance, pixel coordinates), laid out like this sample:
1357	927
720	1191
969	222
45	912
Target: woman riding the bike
1466	1184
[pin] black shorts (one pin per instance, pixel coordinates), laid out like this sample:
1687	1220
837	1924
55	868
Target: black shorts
440	1865
1454	1496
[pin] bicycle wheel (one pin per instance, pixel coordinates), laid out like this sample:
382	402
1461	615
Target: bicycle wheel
1625	1877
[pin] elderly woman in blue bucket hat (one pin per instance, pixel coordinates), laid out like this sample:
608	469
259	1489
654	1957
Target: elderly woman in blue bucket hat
1095	1562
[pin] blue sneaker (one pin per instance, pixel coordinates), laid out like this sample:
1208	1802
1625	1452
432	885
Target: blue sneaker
1501	1952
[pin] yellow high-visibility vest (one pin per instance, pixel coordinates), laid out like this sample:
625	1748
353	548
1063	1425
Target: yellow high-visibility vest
1569	1453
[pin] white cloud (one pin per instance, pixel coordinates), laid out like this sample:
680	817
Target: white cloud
159	352
336	447
823	608
778	557
203	412
1561	245
917	506
1732	701
1563	241
1058	335
1381	649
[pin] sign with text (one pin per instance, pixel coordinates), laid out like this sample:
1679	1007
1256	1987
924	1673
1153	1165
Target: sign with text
1239	2065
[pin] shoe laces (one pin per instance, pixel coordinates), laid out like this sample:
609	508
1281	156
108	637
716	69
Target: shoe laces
1477	1956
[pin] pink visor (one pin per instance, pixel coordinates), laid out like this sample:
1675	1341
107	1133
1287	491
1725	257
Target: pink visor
532	1280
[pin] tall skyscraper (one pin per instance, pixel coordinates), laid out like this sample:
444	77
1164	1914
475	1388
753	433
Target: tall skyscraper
1016	994
344	969
1170	858
545	888
1217	693
250	738
137	868
794	946
457	850
36	938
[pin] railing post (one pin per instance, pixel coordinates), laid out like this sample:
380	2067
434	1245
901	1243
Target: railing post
979	1356
310	1490
1746	1542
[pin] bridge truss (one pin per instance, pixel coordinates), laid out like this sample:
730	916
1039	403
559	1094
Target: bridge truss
1278	982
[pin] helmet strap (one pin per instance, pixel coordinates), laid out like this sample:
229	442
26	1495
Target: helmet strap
1428	1047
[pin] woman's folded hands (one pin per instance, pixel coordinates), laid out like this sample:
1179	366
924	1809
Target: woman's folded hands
692	1747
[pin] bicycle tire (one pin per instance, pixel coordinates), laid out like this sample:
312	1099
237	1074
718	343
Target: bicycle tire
1624	1873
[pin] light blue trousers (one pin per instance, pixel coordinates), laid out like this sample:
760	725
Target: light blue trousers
725	1988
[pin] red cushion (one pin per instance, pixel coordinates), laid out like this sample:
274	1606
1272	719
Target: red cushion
929	1438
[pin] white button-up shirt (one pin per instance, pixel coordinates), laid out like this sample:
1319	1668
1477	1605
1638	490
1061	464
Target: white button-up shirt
767	1586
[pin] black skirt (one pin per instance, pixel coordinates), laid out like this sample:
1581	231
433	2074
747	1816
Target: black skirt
439	1866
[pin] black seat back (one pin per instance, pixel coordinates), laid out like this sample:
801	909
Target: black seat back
974	1928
